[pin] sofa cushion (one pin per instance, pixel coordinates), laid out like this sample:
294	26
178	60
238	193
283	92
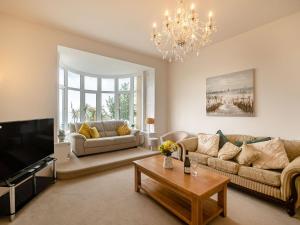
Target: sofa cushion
273	155
226	166
223	139
208	144
228	151
247	156
105	141
85	130
262	176
256	140
202	158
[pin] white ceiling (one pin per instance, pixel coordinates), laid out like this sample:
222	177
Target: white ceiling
127	23
82	61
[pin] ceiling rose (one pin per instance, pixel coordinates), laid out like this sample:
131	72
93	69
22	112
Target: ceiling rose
183	33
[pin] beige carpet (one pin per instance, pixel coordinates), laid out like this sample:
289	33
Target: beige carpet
75	167
108	198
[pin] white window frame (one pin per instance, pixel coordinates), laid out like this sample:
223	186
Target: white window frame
98	93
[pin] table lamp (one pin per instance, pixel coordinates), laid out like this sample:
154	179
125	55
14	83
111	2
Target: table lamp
149	121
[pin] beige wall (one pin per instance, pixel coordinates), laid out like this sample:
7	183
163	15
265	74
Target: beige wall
28	69
274	51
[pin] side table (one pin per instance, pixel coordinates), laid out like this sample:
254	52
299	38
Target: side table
153	143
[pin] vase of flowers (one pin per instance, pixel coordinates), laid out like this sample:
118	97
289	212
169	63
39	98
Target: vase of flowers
167	148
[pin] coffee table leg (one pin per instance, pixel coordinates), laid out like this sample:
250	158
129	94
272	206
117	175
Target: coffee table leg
137	179
197	212
222	200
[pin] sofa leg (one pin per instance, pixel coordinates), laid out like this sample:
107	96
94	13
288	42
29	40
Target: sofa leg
291	202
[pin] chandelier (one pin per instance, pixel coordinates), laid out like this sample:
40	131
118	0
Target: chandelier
183	33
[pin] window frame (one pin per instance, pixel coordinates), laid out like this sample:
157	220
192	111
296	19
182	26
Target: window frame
63	124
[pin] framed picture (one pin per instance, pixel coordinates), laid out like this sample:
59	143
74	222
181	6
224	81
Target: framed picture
231	94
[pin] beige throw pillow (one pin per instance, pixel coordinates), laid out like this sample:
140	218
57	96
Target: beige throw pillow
273	155
228	151
247	156
208	144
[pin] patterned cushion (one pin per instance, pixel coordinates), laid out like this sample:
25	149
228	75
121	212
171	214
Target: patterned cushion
273	155
85	130
202	158
263	176
123	130
226	166
94	132
228	151
208	144
247	156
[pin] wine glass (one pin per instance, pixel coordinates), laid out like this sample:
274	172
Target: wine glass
194	166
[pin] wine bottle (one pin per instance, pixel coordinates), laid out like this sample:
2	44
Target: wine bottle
187	165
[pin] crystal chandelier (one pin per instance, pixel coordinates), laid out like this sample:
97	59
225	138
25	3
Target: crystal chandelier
183	33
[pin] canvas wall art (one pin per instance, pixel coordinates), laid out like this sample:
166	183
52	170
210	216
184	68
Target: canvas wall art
230	94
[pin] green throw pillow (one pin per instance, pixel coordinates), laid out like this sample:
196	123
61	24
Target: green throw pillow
223	139
256	140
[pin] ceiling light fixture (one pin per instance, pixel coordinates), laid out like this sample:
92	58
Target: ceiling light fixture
183	33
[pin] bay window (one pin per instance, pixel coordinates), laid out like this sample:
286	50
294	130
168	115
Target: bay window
86	97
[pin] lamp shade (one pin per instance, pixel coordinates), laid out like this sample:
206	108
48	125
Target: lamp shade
149	120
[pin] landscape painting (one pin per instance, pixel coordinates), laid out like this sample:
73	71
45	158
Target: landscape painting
231	94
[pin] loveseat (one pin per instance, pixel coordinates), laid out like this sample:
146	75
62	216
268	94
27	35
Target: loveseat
282	186
108	141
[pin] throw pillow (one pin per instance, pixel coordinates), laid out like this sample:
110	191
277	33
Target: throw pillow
94	132
273	155
256	140
228	151
123	130
223	139
85	130
247	156
208	144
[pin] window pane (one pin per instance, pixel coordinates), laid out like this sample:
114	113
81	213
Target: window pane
124	107
61	77
73	106
73	80
134	108
108	84
60	108
108	106
124	84
90	83
90	107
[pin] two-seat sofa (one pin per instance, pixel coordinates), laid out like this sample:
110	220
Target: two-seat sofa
280	186
108	141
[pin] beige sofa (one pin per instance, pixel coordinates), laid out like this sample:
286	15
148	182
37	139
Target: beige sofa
175	136
280	186
109	140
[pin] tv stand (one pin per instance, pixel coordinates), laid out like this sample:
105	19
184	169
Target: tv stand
25	186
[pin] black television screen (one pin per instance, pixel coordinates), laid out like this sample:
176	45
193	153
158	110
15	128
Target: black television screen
24	143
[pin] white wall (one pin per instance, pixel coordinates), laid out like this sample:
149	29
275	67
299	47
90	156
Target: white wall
28	69
274	51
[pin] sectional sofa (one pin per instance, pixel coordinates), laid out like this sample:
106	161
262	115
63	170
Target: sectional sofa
282	186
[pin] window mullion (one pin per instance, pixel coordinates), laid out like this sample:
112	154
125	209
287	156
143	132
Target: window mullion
99	100
65	100
131	101
82	98
117	100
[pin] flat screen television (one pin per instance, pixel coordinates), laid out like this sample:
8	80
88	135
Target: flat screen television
23	144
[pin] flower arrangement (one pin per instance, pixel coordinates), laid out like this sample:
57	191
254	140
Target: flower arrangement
168	147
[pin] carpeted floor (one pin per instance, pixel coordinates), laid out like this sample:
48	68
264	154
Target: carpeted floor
108	198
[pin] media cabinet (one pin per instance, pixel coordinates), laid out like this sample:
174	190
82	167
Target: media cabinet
19	190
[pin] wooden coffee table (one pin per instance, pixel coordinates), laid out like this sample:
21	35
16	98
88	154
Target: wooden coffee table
186	196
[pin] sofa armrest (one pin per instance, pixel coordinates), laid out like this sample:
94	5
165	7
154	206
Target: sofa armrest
136	133
77	143
189	144
292	170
